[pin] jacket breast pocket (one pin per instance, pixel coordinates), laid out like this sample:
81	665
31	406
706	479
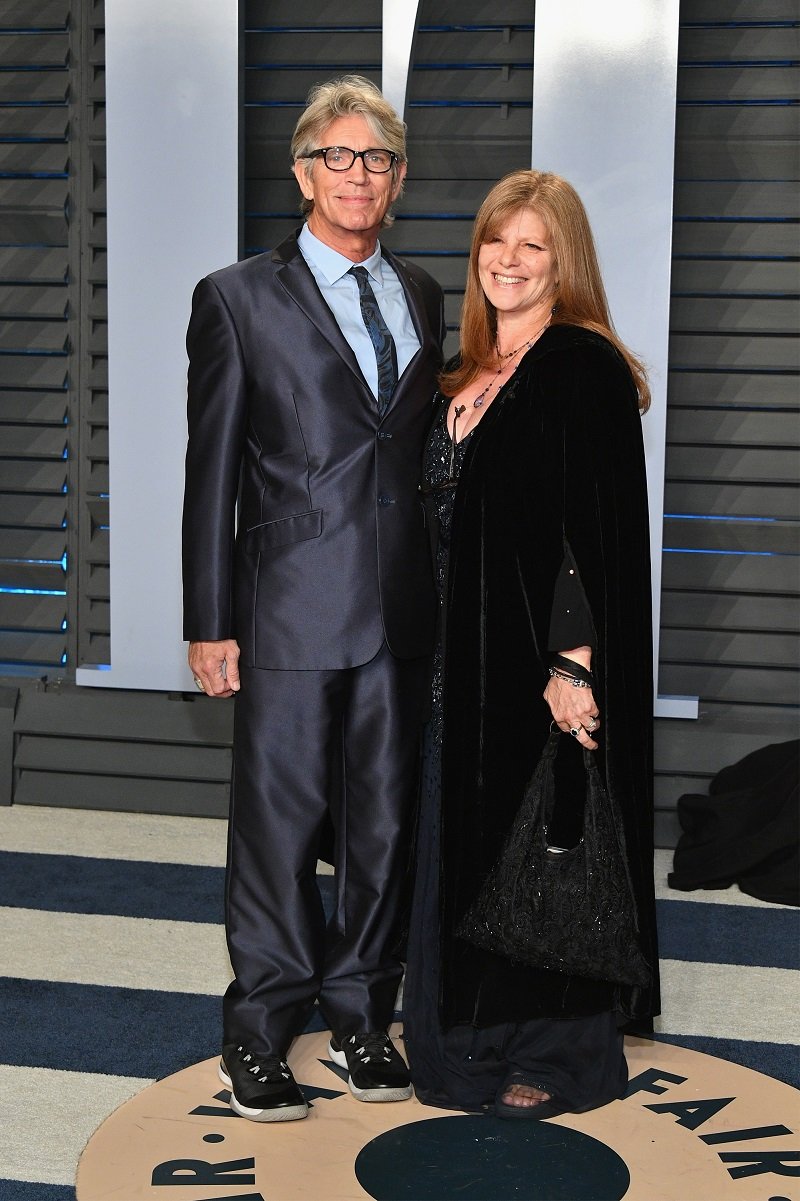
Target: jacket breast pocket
285	530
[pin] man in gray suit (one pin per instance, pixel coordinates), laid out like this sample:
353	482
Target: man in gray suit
310	388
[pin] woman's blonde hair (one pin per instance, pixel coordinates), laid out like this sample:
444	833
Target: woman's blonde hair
580	297
348	96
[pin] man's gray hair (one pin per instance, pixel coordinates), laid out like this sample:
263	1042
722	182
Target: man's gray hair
348	96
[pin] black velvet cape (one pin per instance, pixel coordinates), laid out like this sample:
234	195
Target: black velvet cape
555	466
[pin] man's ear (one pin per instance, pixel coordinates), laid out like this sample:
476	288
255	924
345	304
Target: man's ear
306	187
398	180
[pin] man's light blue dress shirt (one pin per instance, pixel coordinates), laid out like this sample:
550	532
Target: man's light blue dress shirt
340	291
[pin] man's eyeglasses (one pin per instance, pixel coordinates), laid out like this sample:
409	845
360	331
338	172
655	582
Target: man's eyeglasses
341	158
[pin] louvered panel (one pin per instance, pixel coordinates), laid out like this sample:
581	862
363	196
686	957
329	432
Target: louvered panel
34	371
32	50
769	315
352	50
704	277
764	500
735	573
722	611
97	583
37	304
33	476
98	337
121	793
50	14
38	648
734	123
738	83
98	308
33	123
738	427
730	649
47	613
41	87
491	83
732	684
760	200
41	408
327	15
735	352
26	442
93	571
684	747
729	602
418	235
47	578
33	264
41	512
108	757
755	11
741	464
24	161
71	711
450	271
43	337
745	158
716	239
751	43
96	482
757	536
43	301
96	552
723	388
41	547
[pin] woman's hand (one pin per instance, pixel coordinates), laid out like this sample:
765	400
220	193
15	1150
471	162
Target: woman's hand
573	709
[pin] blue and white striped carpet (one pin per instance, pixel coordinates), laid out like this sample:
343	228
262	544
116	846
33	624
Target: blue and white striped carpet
114	963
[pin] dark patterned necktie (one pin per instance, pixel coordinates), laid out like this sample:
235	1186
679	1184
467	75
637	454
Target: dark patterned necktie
382	340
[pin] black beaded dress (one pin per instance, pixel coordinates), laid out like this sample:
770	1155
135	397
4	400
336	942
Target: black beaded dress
578	1061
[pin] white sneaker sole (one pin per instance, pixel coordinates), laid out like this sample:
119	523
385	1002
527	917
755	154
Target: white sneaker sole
370	1094
286	1113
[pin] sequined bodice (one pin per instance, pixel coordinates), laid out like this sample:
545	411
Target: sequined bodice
443	462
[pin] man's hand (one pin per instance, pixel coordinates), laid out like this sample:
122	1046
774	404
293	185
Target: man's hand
216	666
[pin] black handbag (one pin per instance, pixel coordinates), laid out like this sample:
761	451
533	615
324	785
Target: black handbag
565	910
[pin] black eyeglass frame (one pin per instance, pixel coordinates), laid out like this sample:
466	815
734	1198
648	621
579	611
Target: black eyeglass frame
323	152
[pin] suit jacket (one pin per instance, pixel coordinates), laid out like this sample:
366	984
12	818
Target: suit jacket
331	555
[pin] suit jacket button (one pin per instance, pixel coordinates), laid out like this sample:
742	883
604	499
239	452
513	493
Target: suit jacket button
383	499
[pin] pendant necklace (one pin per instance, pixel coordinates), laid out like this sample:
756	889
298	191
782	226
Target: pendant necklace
478	401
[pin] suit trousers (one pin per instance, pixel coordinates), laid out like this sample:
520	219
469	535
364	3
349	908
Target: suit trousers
308	744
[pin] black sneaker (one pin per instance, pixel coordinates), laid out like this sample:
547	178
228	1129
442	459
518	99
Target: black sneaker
377	1070
263	1088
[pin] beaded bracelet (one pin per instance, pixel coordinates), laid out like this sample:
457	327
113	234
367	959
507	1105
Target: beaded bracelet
562	675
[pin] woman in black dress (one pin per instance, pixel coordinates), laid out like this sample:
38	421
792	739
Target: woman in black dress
535	481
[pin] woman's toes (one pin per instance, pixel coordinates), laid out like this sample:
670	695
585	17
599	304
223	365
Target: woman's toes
524	1095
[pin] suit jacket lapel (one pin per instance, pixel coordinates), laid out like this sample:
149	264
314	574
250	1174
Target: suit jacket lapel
295	278
419	317
414	298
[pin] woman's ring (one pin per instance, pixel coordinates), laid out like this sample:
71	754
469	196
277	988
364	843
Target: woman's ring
198	683
575	731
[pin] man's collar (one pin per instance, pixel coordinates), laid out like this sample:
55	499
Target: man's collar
333	265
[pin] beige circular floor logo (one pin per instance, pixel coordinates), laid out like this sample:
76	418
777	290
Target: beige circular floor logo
692	1128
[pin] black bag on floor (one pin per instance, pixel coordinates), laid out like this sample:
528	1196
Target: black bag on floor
747	830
